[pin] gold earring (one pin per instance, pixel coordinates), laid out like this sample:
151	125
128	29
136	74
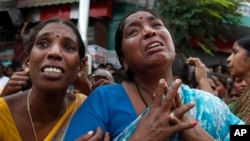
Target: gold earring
125	67
27	69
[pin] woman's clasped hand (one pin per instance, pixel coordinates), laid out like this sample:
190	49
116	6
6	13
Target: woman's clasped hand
168	105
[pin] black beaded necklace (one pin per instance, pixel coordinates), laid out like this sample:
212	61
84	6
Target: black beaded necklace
139	91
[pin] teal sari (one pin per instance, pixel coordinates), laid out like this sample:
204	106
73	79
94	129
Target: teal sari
211	113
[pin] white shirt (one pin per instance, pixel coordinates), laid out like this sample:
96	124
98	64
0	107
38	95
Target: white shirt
3	81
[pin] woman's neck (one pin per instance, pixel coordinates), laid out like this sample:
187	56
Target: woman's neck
46	107
152	80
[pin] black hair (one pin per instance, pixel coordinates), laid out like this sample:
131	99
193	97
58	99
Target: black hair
215	66
109	64
244	42
222	78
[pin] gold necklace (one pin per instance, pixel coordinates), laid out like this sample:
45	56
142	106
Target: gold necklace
31	121
30	117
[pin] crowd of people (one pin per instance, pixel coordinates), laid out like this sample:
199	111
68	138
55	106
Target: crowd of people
154	96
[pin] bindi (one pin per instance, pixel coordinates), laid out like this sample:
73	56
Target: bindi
141	17
57	36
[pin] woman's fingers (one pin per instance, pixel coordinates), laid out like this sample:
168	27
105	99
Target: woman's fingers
166	114
97	136
85	137
173	90
106	137
193	61
169	100
16	82
183	125
179	125
159	93
179	112
166	97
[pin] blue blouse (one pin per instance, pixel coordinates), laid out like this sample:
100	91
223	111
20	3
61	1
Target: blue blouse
109	107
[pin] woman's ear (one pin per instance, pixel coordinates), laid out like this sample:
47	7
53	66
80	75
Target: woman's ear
125	65
25	64
83	64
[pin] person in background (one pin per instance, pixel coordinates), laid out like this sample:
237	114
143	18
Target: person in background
101	66
200	78
19	81
225	72
101	77
112	70
238	67
53	56
216	68
231	96
240	85
150	105
19	44
221	83
212	83
204	82
118	75
10	69
109	66
3	79
236	87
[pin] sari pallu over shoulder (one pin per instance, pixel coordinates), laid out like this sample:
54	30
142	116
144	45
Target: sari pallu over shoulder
57	133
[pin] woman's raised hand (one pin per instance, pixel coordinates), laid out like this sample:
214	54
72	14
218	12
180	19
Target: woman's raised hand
179	115
16	83
160	123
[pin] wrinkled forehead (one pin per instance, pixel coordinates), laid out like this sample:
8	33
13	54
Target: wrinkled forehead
59	30
140	16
